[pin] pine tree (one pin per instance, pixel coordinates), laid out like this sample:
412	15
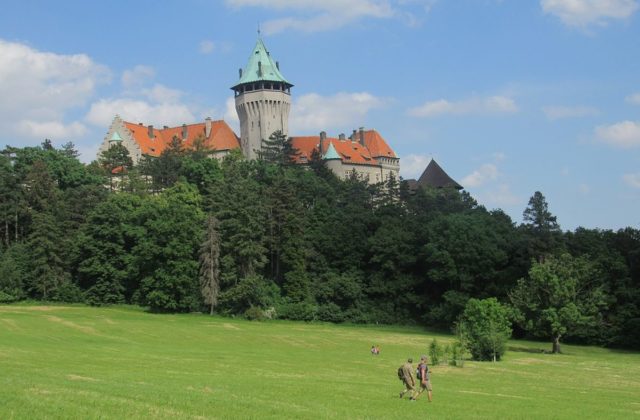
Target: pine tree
542	227
277	149
116	161
47	269
210	263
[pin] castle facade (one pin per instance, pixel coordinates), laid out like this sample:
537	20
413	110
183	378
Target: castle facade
262	101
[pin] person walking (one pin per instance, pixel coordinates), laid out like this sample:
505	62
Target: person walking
424	375
406	371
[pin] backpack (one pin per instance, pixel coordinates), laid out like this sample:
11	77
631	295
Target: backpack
400	373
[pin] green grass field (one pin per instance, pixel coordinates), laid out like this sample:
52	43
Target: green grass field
121	362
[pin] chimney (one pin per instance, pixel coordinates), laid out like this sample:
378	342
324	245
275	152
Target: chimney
150	132
184	131
353	136
164	127
362	136
323	138
278	65
240	71
259	68
341	136
207	127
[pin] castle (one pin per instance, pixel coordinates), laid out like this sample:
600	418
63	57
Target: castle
262	101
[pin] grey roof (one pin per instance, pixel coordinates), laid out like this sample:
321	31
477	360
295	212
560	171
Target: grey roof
434	176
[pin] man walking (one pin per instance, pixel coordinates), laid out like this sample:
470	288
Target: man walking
424	375
407	379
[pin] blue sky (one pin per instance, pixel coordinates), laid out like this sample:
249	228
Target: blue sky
509	96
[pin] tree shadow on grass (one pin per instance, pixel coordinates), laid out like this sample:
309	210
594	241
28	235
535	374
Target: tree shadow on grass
523	349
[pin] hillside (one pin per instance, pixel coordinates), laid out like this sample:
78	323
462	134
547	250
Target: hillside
80	362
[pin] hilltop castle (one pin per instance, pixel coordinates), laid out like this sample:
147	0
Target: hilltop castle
262	101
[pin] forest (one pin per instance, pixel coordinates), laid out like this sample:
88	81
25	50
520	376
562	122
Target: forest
270	239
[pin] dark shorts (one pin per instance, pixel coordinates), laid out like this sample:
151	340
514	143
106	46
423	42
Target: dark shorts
426	385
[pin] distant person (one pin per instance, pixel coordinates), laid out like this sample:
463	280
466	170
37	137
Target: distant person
373	350
405	373
377	350
424	376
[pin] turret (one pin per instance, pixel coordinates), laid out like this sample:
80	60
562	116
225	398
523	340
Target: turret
263	100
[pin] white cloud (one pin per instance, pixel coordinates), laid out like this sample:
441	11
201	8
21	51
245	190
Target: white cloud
162	94
314	16
412	166
38	89
50	129
633	99
500	197
555	112
314	112
624	134
102	112
231	115
137	76
633	180
582	13
491	105
207	46
486	173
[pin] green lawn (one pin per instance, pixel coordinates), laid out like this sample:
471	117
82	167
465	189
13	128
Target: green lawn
121	362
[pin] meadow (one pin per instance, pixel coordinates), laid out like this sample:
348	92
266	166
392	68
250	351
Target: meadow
122	362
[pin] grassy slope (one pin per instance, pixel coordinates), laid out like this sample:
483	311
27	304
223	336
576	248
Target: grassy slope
77	362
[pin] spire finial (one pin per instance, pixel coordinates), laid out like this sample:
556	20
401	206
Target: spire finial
258	29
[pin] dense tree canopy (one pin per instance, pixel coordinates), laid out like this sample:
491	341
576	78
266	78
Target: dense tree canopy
296	242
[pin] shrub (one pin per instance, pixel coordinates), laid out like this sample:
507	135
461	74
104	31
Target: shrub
457	354
484	328
435	352
7	298
300	311
255	313
330	312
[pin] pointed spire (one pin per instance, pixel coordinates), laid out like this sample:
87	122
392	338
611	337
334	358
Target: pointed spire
434	176
331	153
261	67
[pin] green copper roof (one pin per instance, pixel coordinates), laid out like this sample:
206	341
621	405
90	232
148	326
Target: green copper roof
331	153
261	67
115	137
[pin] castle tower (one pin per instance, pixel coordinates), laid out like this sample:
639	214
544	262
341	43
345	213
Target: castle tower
263	100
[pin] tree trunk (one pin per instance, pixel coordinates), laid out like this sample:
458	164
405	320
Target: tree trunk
211	309
556	345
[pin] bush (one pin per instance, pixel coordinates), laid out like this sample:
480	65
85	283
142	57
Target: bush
457	354
299	311
7	298
330	312
435	352
68	292
484	328
255	313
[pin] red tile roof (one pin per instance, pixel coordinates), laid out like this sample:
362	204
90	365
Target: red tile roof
350	151
376	144
220	138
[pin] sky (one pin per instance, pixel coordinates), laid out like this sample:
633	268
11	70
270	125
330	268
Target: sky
508	96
